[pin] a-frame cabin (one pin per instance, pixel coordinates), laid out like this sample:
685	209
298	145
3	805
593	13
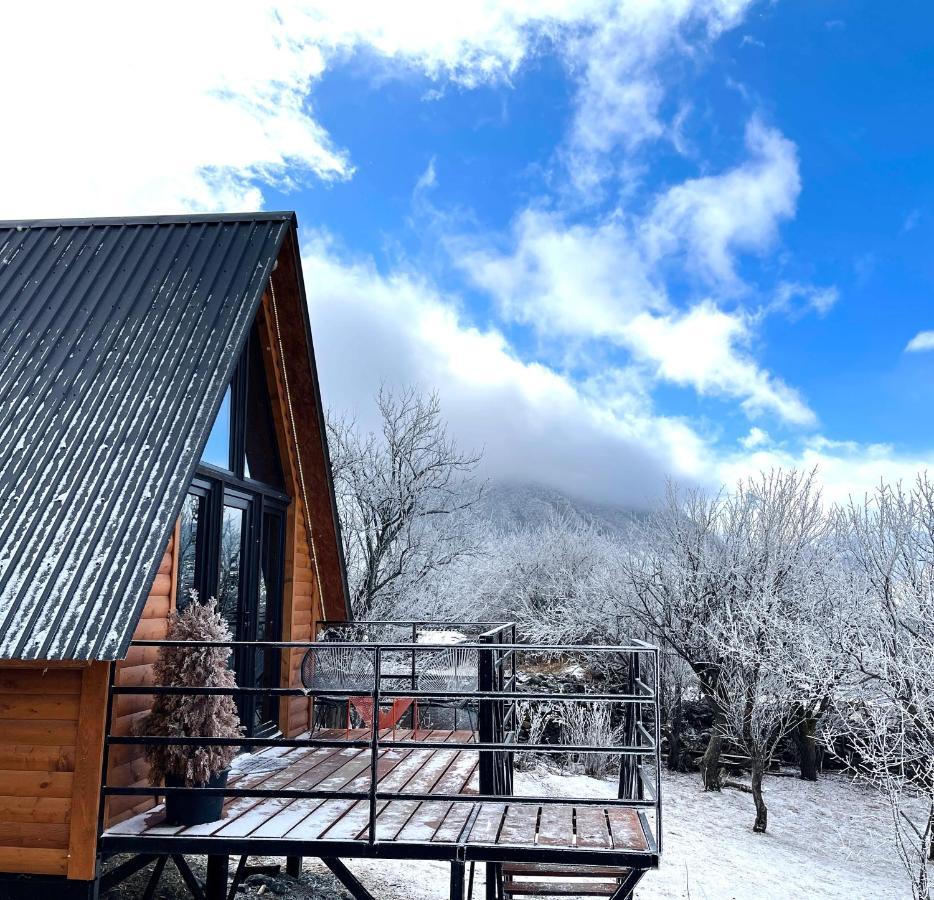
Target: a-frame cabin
161	430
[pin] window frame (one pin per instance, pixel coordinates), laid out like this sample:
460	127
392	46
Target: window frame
217	488
239	387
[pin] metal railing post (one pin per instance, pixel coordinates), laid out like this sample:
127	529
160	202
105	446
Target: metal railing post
374	740
485	732
657	685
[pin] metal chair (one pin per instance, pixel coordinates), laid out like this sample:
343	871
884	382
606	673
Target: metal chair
344	667
450	670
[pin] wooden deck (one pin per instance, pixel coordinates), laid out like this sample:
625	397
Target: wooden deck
438	827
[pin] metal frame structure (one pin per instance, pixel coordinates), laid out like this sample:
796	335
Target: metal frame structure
498	692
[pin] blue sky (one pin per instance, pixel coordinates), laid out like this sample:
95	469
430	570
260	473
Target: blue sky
622	240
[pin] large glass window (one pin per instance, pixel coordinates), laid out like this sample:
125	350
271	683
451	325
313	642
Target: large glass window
232	531
243	439
192	516
217	451
229	588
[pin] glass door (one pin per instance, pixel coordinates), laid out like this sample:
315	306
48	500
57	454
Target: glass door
231	548
268	619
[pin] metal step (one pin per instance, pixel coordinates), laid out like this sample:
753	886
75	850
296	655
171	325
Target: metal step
575	881
559	869
560	888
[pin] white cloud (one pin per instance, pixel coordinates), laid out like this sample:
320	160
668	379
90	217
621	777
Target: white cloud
756	438
125	108
428	179
620	92
702	348
577	280
911	220
598	439
845	468
709	219
921	342
795	298
128	108
605	282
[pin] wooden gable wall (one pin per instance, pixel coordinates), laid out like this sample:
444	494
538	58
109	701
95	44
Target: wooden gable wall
302	605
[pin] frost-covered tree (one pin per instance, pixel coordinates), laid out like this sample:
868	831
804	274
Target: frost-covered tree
559	580
727	581
885	711
678	574
193	715
403	495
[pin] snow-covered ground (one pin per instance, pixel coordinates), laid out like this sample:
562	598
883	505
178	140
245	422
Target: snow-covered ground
826	840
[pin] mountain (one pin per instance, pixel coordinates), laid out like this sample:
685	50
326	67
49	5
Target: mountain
516	504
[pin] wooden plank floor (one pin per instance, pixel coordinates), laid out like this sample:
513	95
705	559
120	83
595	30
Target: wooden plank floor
429	769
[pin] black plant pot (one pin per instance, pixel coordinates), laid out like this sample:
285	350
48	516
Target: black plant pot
194	808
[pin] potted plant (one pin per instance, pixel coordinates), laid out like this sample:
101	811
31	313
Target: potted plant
193	715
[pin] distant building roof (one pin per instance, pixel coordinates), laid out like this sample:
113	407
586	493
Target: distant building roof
117	340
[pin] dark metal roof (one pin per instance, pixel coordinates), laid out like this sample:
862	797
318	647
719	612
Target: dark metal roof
117	340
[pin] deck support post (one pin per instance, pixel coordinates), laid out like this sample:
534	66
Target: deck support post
457	879
347	878
215	887
293	866
626	889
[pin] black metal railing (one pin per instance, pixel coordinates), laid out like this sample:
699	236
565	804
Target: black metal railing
500	687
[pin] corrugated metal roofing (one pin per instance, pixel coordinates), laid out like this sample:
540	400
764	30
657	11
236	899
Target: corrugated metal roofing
117	340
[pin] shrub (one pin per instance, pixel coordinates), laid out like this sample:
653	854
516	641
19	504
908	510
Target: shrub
591	725
193	715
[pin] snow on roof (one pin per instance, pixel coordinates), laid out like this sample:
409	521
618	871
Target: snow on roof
119	337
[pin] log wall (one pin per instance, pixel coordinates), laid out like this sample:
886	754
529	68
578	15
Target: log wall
127	764
301	603
51	741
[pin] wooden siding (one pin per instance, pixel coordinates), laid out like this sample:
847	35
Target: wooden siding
297	353
127	764
301	603
51	745
39	708
300	619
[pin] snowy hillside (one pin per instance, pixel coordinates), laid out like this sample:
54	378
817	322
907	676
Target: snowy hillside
509	503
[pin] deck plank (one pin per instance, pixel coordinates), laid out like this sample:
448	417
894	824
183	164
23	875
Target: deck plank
451	829
520	824
300	761
356	819
486	826
393	815
305	774
392	780
424	822
354	774
593	831
626	829
556	826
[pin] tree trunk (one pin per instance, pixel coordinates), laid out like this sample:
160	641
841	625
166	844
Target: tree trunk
803	736
762	812
931	835
674	738
710	762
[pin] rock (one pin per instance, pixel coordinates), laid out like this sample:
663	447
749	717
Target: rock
273	885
